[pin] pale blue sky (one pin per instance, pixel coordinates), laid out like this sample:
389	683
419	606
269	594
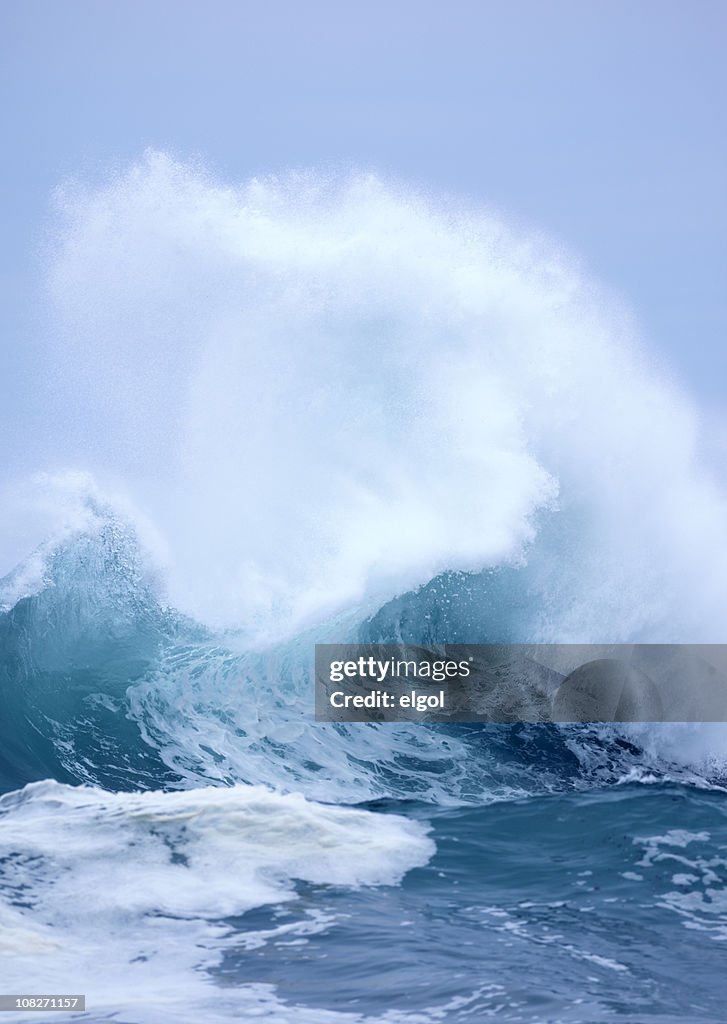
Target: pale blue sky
600	121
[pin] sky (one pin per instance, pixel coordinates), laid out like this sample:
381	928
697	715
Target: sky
600	122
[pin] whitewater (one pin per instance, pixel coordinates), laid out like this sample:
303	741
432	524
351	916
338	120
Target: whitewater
331	408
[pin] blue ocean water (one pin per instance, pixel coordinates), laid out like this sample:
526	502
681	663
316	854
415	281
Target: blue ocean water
324	409
411	873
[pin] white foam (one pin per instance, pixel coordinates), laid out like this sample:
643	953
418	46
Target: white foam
324	391
122	896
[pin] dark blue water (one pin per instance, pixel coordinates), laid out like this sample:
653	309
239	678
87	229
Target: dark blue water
578	907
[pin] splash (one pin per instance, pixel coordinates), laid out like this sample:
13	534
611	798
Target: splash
327	391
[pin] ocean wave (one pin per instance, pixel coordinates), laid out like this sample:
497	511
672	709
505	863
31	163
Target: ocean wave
103	683
331	409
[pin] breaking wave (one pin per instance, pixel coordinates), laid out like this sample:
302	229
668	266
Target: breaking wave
321	409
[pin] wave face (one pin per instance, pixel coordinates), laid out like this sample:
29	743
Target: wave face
329	409
102	683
